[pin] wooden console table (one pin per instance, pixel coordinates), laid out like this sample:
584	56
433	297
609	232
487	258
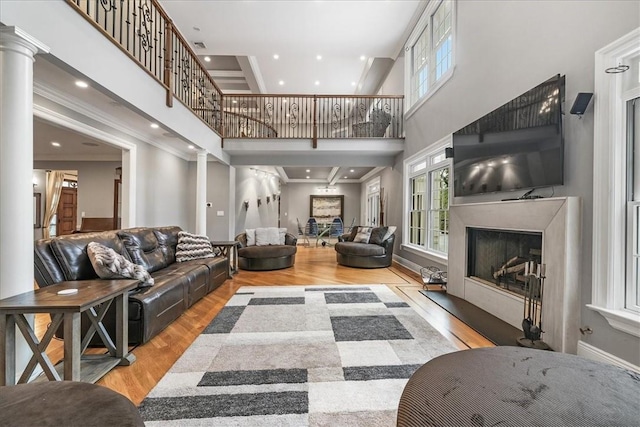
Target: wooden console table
66	310
230	250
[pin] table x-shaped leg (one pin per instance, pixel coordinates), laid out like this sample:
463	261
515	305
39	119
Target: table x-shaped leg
97	326
38	348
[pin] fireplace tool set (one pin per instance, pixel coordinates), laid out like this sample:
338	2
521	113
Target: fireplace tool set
534	275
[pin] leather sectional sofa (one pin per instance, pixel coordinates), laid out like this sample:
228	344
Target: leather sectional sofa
269	257
364	255
177	285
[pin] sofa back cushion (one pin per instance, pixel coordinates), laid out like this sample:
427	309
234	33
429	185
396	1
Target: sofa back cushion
168	240
71	252
363	235
143	248
377	235
47	271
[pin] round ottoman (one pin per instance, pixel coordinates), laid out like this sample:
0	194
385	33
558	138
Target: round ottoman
65	403
511	386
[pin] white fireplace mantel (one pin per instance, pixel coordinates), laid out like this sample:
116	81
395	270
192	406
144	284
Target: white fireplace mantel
558	219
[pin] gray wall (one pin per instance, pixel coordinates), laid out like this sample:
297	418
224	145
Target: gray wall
162	188
298	202
218	194
250	186
505	48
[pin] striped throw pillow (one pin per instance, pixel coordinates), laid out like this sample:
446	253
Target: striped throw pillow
193	246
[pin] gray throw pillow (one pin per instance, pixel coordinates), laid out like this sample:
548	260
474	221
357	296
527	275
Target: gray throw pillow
377	235
109	264
363	235
192	246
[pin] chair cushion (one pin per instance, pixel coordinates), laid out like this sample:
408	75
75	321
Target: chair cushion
359	249
267	236
274	251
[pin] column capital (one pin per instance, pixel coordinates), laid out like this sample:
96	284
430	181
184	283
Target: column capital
202	153
16	39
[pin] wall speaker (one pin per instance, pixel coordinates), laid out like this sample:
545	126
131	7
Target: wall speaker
581	103
448	152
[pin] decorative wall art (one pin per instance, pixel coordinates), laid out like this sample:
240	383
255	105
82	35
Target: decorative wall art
325	208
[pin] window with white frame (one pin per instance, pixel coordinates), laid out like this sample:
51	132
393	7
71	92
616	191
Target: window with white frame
427	209
616	182
430	50
632	297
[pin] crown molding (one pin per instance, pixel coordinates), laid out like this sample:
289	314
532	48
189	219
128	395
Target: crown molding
371	173
99	116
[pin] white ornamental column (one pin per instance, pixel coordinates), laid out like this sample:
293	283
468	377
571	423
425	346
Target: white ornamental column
201	193
17	50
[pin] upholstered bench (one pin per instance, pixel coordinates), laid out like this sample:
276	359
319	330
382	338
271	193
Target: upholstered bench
263	254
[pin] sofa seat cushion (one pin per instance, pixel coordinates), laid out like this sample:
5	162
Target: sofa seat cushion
359	249
273	251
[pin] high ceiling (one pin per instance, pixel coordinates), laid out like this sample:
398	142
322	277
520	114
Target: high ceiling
322	47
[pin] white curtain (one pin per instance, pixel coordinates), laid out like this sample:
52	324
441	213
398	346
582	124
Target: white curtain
52	198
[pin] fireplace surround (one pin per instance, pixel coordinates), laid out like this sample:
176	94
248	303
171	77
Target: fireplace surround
557	220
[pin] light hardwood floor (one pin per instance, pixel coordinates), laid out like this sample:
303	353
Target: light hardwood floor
313	266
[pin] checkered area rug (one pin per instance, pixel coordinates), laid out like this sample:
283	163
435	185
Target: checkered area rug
298	356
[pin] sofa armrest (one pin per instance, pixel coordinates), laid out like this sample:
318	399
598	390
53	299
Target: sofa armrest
388	244
344	237
290	239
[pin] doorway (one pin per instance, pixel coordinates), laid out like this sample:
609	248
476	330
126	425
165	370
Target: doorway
372	210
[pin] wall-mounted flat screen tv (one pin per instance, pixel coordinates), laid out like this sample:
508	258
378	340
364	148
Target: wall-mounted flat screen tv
517	146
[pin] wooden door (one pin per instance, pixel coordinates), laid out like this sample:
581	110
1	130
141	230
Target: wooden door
67	211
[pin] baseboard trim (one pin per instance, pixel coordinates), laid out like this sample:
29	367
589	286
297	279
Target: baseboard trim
594	353
407	264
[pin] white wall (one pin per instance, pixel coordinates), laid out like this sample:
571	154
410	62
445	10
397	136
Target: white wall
502	50
81	46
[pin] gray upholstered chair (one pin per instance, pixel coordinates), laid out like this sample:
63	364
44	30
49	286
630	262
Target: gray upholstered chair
376	253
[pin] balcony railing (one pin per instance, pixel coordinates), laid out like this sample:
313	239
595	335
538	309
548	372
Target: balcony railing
143	30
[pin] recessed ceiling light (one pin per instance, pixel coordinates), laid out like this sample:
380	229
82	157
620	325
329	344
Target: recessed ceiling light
281	82
317	83
362	58
276	56
207	59
191	147
154	125
234	101
319	57
55	144
308	170
351	170
345	177
284	101
353	83
288	114
82	84
308	177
